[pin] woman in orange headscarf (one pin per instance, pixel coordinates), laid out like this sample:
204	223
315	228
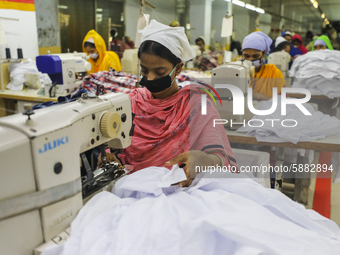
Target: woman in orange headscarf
100	58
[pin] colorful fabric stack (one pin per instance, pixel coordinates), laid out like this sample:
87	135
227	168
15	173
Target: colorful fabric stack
110	82
208	61
184	79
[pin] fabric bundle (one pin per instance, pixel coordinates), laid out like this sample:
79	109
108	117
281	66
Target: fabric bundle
110	82
213	216
319	72
308	127
208	60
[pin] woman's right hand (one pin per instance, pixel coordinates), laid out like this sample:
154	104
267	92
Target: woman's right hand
109	157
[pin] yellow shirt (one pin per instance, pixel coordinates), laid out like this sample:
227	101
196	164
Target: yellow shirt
267	78
106	59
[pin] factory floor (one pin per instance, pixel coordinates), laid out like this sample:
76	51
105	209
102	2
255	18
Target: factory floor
335	199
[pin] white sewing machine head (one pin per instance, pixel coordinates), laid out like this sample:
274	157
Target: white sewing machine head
239	74
281	59
41	184
63	69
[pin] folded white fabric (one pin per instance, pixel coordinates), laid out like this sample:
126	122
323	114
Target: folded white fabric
149	183
309	127
318	71
216	216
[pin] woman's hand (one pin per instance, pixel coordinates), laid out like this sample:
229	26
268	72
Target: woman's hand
194	160
109	157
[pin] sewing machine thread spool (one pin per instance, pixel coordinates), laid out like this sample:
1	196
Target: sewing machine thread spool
8	53
20	56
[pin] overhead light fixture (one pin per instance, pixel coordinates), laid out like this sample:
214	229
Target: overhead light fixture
99	9
239	3
227	0
316	5
312	1
62	7
251	7
323	15
259	10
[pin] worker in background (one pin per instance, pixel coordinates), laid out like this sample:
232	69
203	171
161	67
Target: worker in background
200	42
254	48
100	58
298	43
175	23
309	46
322	43
166	131
128	41
117	46
308	38
281	44
287	35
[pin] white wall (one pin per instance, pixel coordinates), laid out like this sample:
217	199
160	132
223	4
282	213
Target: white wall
20	34
165	13
241	22
265	23
219	11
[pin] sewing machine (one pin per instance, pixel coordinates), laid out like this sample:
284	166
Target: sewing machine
63	69
41	155
239	74
281	59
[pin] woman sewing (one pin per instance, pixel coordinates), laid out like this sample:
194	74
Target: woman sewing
169	127
100	58
267	76
322	43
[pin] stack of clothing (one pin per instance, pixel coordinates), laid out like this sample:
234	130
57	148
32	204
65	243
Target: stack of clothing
319	72
208	61
110	82
308	128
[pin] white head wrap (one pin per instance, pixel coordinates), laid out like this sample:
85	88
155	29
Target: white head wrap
91	40
279	40
173	38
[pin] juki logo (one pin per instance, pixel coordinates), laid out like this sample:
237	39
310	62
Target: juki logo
54	144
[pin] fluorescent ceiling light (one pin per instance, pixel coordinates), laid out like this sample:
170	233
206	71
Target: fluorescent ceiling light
239	3
323	15
259	10
62	7
315	5
251	7
99	9
228	0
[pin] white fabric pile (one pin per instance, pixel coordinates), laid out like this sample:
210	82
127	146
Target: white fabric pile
17	74
309	127
213	216
319	72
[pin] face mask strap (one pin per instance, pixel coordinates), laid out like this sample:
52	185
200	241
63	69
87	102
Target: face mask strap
171	74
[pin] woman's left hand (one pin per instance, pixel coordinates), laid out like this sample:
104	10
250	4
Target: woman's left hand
191	159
